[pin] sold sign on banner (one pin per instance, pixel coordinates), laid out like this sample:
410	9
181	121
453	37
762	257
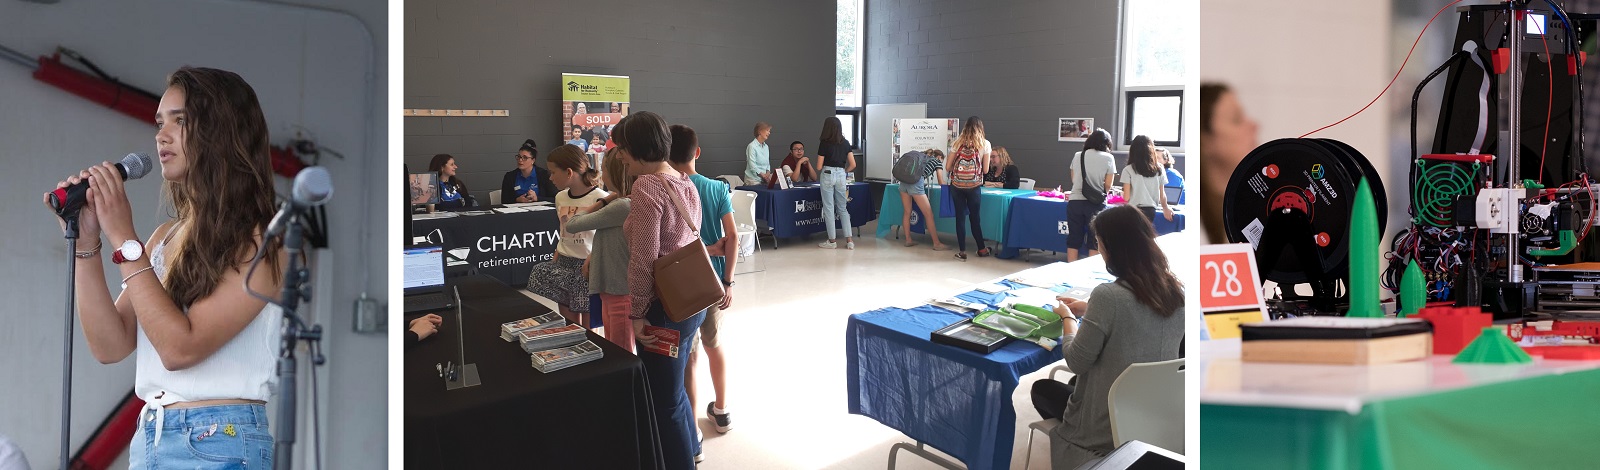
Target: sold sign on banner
1230	288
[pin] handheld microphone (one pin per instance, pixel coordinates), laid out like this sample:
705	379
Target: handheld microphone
312	187
71	198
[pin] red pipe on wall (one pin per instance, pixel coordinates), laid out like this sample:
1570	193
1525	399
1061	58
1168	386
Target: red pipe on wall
119	97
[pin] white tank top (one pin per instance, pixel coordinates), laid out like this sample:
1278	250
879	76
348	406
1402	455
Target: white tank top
245	367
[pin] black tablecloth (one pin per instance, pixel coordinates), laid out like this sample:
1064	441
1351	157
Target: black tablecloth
505	246
593	415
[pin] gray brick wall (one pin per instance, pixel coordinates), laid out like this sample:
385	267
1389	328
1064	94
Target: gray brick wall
717	66
1018	64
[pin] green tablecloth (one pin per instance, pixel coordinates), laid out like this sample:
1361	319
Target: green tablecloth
1544	422
993	208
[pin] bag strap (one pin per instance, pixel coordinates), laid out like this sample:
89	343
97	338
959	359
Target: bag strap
1083	174
682	213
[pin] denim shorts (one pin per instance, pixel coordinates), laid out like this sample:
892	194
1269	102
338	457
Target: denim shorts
920	188
223	436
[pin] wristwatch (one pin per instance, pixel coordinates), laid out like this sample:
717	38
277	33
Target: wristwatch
727	283
130	250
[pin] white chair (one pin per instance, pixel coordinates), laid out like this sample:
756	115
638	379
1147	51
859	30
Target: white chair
494	197
1045	425
1024	183
734	181
1146	404
744	220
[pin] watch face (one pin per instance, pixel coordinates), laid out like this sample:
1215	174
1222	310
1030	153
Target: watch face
131	250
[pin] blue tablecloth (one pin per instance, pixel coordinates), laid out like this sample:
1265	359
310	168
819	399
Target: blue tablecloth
952	399
1041	224
994	207
798	211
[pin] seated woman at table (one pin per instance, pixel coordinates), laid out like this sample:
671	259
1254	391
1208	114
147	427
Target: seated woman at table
1132	320
918	193
452	192
1174	179
799	164
1002	172
528	182
1143	179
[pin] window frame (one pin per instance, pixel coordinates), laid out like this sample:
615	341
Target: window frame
1129	94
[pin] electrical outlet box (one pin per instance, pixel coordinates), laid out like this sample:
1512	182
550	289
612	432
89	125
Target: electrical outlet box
369	316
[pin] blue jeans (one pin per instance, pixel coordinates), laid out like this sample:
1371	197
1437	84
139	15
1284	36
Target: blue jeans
674	413
220	437
835	200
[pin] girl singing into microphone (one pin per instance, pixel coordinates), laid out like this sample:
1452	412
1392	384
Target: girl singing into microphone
205	348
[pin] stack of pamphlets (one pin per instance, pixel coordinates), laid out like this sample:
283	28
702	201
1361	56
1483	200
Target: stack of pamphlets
509	331
561	358
540	339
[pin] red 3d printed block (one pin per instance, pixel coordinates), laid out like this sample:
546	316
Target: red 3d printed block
1454	327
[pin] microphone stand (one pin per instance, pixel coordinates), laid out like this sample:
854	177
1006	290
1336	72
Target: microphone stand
294	330
71	220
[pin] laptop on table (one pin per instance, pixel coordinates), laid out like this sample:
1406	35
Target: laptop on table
424	280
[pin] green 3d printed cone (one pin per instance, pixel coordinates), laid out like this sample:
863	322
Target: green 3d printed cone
1363	254
1412	293
1492	347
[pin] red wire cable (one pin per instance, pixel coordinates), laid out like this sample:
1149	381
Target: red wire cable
1396	72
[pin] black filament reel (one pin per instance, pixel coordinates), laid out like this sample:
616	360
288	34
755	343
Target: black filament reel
1299	191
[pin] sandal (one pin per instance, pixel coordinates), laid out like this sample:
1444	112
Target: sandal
984	253
961	256
941	248
910	243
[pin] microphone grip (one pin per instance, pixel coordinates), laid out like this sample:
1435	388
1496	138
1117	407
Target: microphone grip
72	197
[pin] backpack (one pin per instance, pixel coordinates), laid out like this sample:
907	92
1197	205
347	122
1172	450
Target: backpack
966	174
908	168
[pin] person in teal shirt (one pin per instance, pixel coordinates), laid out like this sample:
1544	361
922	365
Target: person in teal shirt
758	162
721	237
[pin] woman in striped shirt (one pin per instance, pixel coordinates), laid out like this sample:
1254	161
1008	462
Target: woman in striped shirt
919	193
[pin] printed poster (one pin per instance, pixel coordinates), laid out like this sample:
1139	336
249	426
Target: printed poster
591	106
924	134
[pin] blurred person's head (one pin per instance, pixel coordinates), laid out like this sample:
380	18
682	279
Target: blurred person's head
797	149
569	169
762	131
615	172
999	159
526	155
643	138
1226	136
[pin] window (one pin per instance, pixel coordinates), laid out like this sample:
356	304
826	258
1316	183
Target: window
1154	114
847	73
1154	71
848	125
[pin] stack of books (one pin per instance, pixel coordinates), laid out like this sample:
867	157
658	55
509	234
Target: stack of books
560	358
542	339
509	331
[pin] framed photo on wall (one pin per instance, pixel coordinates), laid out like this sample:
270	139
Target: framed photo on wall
1075	129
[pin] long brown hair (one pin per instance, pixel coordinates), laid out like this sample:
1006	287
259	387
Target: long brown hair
226	199
1142	157
438	163
832	131
971	134
1210	94
570	157
1127	242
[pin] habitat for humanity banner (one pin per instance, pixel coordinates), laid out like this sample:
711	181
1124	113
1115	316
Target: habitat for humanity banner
924	134
591	106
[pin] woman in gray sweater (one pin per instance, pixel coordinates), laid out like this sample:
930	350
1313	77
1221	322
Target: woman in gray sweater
1135	319
607	266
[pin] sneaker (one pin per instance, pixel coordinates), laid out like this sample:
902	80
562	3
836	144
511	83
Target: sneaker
961	256
850	245
723	421
828	245
983	253
700	457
